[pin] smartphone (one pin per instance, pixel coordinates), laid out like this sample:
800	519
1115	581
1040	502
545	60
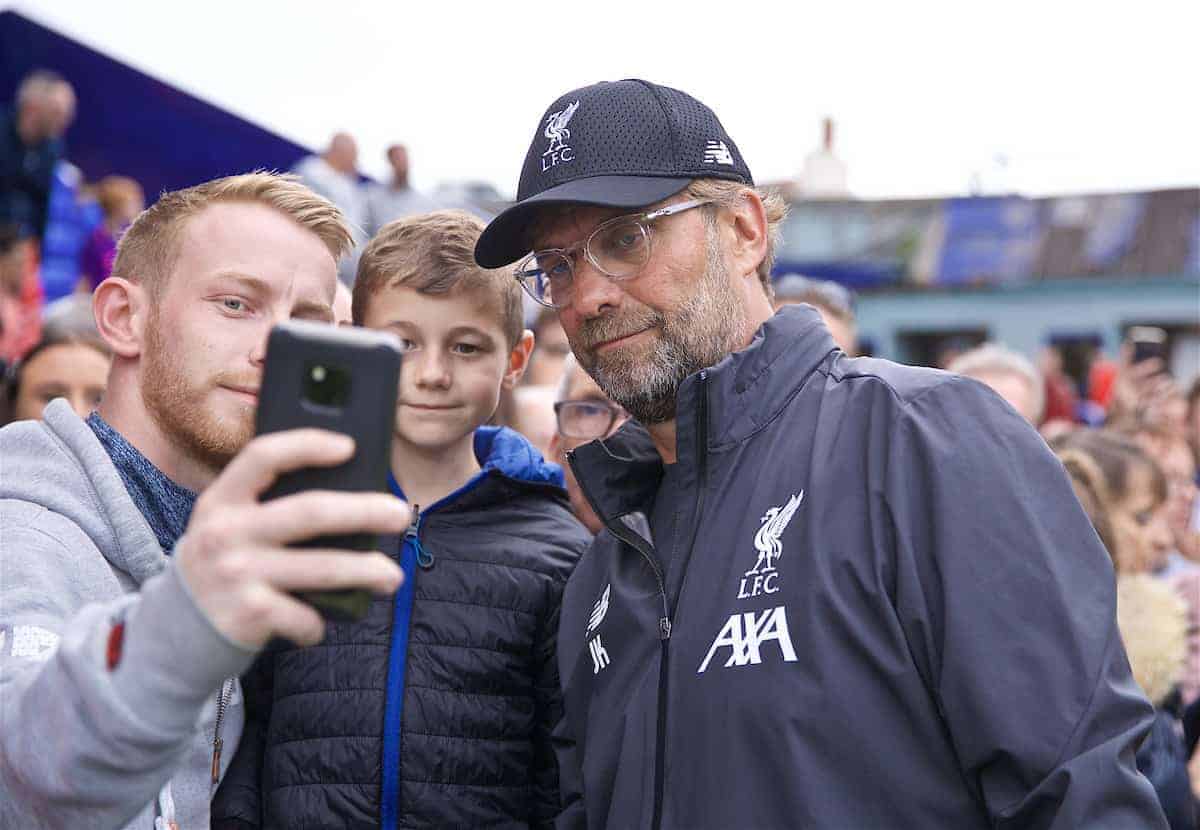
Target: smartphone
344	380
1148	342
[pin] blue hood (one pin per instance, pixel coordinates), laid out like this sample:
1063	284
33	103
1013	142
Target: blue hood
510	453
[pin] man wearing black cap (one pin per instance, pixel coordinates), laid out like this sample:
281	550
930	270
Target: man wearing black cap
831	592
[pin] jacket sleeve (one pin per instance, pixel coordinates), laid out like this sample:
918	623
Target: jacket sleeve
549	707
572	816
238	801
1008	602
83	744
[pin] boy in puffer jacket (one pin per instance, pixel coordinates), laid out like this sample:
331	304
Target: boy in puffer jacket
437	708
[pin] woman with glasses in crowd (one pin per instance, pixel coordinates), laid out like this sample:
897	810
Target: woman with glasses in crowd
582	413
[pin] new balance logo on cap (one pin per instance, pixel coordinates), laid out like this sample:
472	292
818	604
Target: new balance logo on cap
717	153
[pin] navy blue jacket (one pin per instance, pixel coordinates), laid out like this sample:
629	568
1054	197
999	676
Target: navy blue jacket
452	726
885	609
26	174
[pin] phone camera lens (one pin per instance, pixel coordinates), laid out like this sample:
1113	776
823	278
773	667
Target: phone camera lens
326	385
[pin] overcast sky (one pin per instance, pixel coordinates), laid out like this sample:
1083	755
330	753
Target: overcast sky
1076	97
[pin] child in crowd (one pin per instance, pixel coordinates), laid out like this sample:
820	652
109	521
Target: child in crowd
437	708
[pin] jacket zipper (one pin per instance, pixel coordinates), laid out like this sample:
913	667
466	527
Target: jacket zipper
639	544
218	741
389	798
387	794
664	673
424	557
636	542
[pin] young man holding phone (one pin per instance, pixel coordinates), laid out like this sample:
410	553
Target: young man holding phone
128	605
435	710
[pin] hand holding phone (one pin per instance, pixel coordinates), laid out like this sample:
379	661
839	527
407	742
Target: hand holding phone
343	380
234	556
1143	389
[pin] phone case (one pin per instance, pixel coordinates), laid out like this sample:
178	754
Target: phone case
1144	350
364	407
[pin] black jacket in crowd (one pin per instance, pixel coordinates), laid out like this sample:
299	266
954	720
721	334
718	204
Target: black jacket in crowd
26	176
478	676
882	608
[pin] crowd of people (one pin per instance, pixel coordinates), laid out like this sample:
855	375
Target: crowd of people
966	584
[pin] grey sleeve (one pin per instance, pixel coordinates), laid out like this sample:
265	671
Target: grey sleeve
82	744
1008	601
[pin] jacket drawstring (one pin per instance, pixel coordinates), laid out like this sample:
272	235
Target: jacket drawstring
166	810
424	557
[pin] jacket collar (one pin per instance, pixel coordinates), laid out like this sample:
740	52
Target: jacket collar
511	454
505	452
746	391
165	505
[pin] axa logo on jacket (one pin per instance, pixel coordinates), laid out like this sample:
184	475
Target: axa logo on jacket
745	633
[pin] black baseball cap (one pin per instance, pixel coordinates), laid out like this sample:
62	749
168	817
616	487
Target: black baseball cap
622	144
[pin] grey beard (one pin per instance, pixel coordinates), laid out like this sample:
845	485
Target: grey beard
705	329
647	390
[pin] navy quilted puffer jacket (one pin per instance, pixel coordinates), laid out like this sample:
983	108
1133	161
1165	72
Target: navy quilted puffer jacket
476	678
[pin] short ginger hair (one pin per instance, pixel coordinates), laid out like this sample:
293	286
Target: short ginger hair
434	253
148	250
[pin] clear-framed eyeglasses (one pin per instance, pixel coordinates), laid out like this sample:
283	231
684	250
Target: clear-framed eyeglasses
618	248
588	419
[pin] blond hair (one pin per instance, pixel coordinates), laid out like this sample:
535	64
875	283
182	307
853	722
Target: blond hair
148	250
434	253
727	194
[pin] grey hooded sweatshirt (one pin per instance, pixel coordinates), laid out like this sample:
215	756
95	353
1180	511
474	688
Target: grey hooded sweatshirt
100	729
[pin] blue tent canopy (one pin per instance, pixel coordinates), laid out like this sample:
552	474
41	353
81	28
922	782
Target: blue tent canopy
131	124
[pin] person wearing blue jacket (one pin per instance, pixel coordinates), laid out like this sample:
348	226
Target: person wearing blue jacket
831	592
438	708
